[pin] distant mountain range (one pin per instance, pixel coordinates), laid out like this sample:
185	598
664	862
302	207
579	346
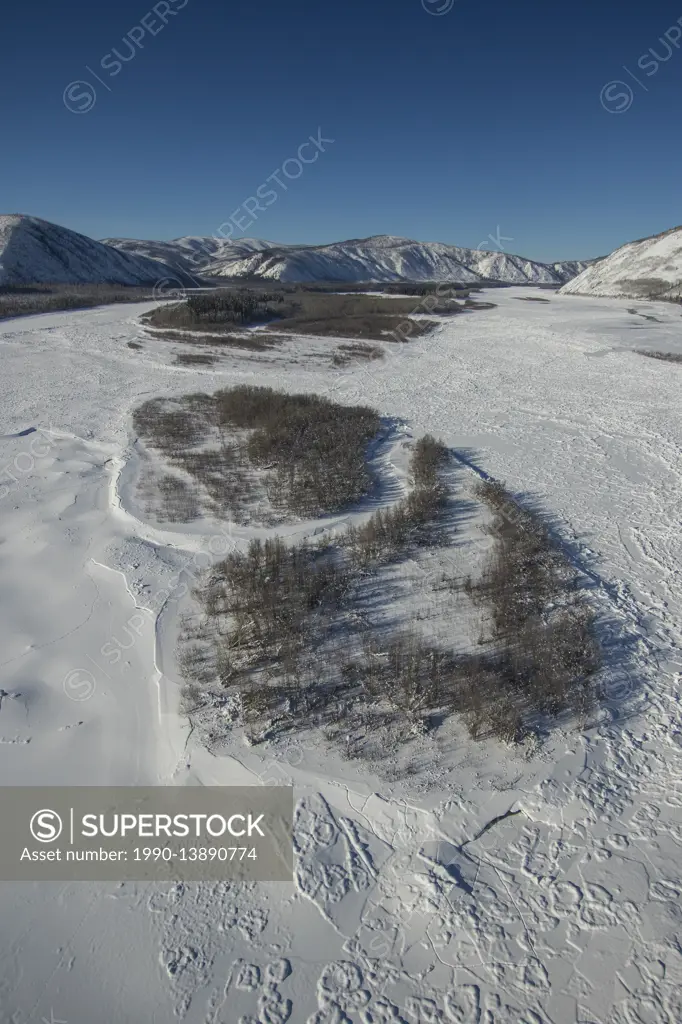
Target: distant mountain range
379	258
192	254
648	268
36	251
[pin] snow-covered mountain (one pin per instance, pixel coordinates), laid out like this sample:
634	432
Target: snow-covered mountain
648	268
34	251
191	253
387	258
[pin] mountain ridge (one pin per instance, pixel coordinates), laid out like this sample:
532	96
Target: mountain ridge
190	253
36	251
33	250
648	268
384	258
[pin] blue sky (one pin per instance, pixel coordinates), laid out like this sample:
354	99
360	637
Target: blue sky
481	123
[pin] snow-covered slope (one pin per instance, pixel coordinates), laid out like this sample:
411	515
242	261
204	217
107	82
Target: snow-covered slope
647	268
192	252
34	250
387	258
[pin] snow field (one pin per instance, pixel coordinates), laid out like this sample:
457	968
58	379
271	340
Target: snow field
406	906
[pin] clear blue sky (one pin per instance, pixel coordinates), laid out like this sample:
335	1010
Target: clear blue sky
445	126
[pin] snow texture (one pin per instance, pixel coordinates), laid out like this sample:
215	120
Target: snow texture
421	900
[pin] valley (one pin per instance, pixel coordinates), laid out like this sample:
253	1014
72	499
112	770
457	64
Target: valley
455	879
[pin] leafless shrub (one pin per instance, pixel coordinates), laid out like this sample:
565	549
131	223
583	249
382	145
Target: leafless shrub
194	359
180	503
168	498
541	629
254	341
356	350
525	570
313	449
305	453
273	599
315	307
389	531
287	657
25	300
653	288
428	458
377	327
170	426
270	591
409	675
242	306
301	311
668	357
275	604
439	288
222	310
196	664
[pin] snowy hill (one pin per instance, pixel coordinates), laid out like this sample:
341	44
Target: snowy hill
387	258
34	250
191	253
648	268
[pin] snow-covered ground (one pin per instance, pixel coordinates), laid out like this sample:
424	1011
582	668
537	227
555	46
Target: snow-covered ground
566	912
